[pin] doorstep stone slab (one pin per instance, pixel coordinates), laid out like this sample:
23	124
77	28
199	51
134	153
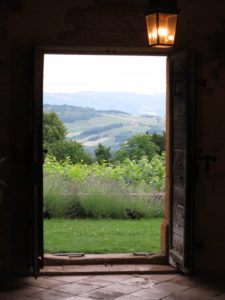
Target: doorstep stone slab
91	259
107	269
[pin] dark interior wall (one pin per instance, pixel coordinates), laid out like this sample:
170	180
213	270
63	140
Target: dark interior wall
109	24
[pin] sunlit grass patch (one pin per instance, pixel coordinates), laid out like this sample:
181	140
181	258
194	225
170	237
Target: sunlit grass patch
102	235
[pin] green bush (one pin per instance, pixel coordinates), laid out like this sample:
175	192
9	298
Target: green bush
130	172
104	190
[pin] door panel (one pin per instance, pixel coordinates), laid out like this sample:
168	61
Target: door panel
38	166
182	123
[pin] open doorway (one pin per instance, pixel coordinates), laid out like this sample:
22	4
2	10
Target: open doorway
177	228
104	174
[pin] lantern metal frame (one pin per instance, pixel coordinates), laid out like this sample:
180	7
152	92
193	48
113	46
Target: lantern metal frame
160	7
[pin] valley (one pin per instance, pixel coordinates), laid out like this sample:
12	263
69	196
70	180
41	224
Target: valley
90	126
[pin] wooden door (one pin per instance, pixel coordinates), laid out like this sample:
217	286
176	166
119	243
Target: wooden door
181	93
38	252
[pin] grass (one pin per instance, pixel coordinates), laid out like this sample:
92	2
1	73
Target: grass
99	198
102	235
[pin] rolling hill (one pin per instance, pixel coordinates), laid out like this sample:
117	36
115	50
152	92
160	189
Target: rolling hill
111	128
134	104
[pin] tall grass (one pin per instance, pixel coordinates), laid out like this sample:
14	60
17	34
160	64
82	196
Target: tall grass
99	198
60	196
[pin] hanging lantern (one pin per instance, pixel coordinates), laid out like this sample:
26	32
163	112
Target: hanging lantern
161	18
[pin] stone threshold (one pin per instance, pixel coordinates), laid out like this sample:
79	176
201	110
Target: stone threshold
99	259
106	269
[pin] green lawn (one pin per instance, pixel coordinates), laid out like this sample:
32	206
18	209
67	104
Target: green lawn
102	235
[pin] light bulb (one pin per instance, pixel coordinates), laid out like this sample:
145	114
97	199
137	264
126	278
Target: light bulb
170	38
163	31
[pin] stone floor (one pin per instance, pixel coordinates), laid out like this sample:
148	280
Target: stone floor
108	287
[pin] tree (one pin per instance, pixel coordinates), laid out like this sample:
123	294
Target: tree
159	140
136	147
53	129
72	149
102	153
54	134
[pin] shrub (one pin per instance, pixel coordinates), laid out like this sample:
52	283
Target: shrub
123	190
60	197
98	199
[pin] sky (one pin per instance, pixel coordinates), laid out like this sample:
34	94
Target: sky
104	73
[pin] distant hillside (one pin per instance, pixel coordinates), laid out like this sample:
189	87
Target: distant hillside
111	128
134	104
69	113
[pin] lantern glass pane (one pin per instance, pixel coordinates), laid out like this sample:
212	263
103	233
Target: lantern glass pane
167	28
151	20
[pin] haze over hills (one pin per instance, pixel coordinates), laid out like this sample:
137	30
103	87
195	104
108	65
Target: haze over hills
109	127
134	104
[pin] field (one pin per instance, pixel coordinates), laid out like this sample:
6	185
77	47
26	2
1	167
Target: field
102	235
130	125
111	128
